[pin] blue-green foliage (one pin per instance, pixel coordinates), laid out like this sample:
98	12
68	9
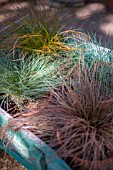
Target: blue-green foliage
26	78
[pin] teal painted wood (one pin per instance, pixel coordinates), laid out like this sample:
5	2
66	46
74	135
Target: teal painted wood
29	150
16	156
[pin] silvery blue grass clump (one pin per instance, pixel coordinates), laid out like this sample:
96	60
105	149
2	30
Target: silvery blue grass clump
87	47
26	78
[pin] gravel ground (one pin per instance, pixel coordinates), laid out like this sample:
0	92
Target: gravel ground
8	163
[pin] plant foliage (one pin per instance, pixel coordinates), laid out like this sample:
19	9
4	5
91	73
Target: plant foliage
25	79
79	117
38	32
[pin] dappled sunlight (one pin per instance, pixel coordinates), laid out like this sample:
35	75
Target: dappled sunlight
16	6
89	9
3	17
42	7
93	18
10	10
107	26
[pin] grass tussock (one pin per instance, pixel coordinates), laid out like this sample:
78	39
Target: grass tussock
26	79
78	119
39	32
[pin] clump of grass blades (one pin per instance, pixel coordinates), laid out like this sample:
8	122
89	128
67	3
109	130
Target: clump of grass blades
39	32
87	46
78	120
26	79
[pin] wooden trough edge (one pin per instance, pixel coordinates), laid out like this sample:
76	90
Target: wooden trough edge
28	149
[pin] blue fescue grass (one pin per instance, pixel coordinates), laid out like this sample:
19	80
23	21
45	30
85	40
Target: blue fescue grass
26	79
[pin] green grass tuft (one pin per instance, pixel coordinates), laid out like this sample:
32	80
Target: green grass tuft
27	78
